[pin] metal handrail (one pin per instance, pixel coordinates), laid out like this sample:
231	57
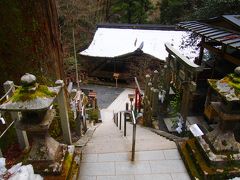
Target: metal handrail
6	129
6	94
134	118
134	122
134	135
1	99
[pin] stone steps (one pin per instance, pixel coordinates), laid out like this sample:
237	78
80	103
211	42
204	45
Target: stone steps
108	154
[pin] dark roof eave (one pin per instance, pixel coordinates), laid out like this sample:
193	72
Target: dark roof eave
134	53
138	26
220	35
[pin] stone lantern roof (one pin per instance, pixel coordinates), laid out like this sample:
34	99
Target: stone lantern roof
228	87
31	96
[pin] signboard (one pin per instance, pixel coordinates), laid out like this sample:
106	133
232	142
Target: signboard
92	94
195	130
131	96
116	75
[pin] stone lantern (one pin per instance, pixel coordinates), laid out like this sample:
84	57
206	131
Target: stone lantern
216	155
227	109
35	103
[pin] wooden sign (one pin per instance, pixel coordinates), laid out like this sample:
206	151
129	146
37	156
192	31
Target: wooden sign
116	75
92	94
131	96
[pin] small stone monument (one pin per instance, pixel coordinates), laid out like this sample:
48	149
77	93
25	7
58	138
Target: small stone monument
35	101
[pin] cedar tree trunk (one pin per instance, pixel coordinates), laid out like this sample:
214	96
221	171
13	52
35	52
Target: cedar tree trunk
29	40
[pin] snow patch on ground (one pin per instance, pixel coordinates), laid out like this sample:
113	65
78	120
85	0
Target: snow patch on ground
17	172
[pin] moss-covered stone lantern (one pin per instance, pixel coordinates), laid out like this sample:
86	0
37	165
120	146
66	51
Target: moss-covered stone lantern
228	111
216	155
35	102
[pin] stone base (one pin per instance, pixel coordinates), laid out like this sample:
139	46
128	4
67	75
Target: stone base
70	165
222	141
216	158
45	149
202	163
48	166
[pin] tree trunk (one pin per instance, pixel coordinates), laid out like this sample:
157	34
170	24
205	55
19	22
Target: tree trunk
29	40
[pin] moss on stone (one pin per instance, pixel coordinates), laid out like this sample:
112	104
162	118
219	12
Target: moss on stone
74	170
200	168
55	129
22	94
68	161
67	164
234	81
234	78
190	163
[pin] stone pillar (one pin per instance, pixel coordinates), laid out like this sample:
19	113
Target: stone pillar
147	81
79	119
166	77
155	102
147	96
63	113
166	86
185	103
149	91
150	108
151	95
155	79
21	135
147	108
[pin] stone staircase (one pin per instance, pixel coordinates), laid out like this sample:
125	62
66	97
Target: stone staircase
107	155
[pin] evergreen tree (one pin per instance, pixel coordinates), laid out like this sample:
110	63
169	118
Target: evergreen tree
174	11
214	8
130	11
171	11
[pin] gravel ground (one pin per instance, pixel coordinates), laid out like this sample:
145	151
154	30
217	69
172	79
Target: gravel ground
105	94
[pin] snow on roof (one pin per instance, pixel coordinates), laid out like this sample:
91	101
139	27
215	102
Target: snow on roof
115	42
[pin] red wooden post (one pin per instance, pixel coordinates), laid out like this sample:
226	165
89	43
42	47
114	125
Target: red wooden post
136	99
140	102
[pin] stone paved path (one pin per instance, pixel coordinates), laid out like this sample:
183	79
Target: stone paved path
105	94
107	154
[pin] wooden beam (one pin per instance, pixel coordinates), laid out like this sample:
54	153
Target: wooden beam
224	55
182	59
200	57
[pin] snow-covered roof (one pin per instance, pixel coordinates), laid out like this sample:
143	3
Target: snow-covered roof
115	42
